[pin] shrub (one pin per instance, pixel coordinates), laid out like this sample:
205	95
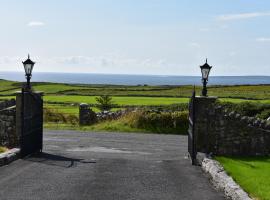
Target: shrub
51	115
248	108
3	149
104	102
264	114
159	122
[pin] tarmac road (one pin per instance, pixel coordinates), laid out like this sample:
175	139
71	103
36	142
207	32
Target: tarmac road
107	166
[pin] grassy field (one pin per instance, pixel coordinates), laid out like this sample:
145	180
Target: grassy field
65	98
239	92
141	95
116	100
251	173
70	102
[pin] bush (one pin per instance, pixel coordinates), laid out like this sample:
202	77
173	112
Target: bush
54	116
159	122
104	103
248	108
264	114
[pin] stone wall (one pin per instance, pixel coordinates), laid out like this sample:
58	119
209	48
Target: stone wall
7	104
8	135
220	132
86	115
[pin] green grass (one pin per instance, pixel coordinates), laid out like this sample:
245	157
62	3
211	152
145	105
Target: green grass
110	126
134	101
117	100
63	103
2	149
238	92
233	100
251	173
140	121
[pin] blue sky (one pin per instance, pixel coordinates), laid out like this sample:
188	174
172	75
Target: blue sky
166	37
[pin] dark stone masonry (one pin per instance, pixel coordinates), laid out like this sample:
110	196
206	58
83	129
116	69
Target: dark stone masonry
220	132
8	136
86	115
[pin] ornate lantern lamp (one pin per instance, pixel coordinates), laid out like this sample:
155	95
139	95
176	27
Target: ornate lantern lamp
205	69
28	68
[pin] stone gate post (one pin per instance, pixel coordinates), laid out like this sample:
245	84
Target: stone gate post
29	121
86	115
204	120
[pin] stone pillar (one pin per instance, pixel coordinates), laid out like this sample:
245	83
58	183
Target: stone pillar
86	115
29	121
204	123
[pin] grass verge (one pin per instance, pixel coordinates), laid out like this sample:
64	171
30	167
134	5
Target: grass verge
110	126
139	121
3	149
251	173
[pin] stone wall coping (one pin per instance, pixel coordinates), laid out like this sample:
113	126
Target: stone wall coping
35	92
9	108
84	104
9	156
207	97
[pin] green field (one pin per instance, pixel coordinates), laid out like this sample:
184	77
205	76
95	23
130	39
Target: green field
117	100
251	173
256	92
69	103
65	98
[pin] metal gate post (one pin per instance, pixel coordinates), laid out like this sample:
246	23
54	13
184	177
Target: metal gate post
191	132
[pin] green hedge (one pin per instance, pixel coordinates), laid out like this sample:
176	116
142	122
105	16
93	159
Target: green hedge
159	122
260	110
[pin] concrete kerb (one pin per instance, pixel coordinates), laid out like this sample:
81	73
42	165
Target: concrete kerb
9	156
222	181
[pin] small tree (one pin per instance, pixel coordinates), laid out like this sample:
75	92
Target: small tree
104	102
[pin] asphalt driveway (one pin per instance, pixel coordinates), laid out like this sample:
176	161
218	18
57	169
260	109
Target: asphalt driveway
107	166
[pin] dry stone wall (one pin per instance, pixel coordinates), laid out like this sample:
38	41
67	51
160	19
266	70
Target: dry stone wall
220	132
8	135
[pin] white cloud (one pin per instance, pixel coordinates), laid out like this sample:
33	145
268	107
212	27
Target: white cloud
9	60
36	23
195	44
230	17
224	26
108	61
232	53
262	39
204	29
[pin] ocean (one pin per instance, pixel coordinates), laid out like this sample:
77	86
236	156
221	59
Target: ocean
121	79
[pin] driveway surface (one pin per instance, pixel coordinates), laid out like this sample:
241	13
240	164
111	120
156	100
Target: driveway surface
107	166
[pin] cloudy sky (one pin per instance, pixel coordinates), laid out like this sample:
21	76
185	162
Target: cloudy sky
166	37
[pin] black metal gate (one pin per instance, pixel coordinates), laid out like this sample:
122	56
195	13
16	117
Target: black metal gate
191	136
31	123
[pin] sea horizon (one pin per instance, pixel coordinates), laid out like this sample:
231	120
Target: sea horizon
134	79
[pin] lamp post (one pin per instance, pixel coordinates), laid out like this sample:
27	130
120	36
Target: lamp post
205	69
28	68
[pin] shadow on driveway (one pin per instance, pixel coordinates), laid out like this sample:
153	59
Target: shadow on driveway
56	160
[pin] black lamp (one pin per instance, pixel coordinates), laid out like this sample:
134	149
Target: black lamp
205	69
28	68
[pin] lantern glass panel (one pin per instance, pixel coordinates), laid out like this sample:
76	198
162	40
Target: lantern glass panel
205	73
28	69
